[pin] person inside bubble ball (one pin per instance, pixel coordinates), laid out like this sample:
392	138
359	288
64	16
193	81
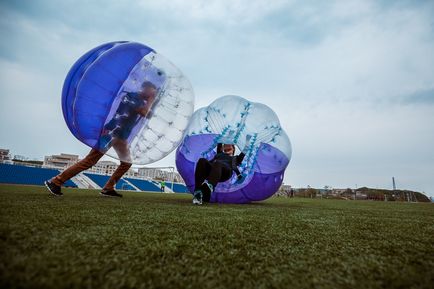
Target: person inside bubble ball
209	173
132	108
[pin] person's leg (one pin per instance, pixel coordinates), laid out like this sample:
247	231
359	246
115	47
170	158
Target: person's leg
115	177
121	148
202	171
218	173
91	159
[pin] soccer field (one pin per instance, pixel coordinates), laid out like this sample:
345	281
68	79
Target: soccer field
150	240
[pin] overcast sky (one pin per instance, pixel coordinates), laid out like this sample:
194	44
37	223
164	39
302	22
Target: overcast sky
351	81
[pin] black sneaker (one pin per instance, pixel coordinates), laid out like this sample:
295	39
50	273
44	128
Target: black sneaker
110	193
206	189
53	188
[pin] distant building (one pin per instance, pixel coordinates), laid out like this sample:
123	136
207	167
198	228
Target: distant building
148	173
285	190
160	174
337	192
5	156
361	195
61	161
104	168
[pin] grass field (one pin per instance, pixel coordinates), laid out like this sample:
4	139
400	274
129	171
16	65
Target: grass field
148	240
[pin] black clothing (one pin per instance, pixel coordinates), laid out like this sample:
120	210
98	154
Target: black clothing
219	169
126	116
230	161
214	172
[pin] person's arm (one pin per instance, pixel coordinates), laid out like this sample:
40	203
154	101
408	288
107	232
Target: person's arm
236	161
235	164
219	148
240	158
144	110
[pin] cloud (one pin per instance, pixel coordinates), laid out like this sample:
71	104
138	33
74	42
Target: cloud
228	13
424	97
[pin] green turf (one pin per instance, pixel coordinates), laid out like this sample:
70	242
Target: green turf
147	240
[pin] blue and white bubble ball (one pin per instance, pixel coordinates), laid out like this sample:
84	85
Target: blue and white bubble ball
97	84
234	120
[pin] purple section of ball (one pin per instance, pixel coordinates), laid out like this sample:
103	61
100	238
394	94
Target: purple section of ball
259	188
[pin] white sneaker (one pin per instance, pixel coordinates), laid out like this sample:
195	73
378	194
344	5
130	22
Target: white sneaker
197	198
